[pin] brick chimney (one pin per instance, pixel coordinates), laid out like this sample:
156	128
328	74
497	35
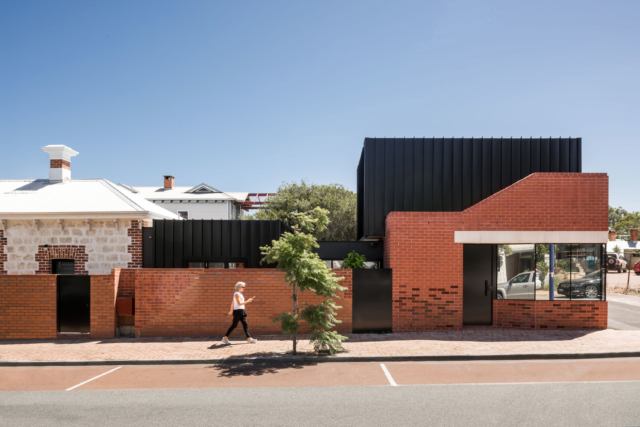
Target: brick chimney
634	234
168	181
612	236
59	162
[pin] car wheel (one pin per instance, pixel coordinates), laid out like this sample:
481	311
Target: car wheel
619	270
638	273
591	291
500	295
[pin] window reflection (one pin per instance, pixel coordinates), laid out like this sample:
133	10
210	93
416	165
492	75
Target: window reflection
516	276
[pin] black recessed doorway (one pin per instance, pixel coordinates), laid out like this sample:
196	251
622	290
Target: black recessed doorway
477	285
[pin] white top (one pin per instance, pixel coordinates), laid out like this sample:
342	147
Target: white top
235	303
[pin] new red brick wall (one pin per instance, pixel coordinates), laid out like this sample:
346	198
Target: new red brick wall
550	314
427	264
127	283
195	302
28	307
104	290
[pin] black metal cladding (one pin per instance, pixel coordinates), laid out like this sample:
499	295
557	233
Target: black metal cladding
449	174
176	242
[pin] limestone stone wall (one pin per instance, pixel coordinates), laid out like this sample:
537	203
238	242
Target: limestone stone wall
97	246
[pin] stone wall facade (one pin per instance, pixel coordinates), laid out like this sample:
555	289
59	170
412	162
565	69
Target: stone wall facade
97	246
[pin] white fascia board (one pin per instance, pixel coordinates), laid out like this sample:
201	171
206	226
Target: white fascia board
521	237
79	215
59	152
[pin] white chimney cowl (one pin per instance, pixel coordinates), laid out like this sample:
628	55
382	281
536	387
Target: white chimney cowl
59	162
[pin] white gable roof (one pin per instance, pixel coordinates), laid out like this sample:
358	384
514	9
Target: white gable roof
183	193
91	198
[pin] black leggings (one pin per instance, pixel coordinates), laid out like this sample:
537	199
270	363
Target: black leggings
239	316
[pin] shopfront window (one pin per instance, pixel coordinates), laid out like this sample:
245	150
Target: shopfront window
526	272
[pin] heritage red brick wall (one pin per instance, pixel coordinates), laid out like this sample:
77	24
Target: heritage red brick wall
550	314
194	302
60	164
104	290
3	253
28	307
74	252
135	248
427	264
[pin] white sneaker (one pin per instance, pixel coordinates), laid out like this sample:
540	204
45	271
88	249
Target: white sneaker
226	341
252	340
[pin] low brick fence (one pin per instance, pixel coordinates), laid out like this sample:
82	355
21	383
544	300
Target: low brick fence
195	302
550	314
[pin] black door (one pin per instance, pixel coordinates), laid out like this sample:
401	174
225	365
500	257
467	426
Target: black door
477	282
74	298
371	300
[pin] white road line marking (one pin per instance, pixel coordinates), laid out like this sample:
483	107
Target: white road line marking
94	378
389	377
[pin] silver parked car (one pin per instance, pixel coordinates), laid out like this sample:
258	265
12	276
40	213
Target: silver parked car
520	287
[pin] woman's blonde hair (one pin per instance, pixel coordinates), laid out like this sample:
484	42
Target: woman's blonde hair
240	285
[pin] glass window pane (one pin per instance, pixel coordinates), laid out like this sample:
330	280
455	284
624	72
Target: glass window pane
196	265
542	272
216	265
337	263
562	271
232	265
587	272
328	263
372	265
516	278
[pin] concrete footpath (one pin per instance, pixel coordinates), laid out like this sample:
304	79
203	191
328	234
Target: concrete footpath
469	344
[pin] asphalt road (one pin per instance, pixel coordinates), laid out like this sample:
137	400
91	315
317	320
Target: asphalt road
558	404
624	311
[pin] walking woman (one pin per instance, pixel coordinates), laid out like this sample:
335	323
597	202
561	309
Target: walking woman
239	315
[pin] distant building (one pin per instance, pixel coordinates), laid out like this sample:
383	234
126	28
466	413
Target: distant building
200	202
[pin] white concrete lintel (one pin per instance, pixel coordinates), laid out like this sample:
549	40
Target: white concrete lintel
516	237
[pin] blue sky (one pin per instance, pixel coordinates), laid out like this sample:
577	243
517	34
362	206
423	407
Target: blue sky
246	95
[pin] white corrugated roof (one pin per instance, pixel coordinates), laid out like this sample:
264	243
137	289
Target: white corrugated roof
77	197
180	193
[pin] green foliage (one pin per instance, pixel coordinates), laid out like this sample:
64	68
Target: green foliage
321	318
354	260
622	221
617	249
293	198
541	264
615	215
305	271
289	323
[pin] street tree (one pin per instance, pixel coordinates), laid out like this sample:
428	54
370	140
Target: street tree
305	271
293	198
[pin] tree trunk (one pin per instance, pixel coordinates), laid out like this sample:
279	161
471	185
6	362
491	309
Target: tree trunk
294	312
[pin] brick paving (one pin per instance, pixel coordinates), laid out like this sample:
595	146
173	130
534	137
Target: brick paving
480	341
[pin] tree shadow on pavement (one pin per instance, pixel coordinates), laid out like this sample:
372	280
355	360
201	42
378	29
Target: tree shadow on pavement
233	368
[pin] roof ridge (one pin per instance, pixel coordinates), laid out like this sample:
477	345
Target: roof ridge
121	195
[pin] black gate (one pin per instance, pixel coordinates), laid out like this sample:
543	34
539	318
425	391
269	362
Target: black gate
372	307
477	284
74	300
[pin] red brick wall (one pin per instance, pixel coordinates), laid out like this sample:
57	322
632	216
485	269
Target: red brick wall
77	253
135	248
127	283
427	264
550	314
104	290
3	254
28	307
60	164
195	302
